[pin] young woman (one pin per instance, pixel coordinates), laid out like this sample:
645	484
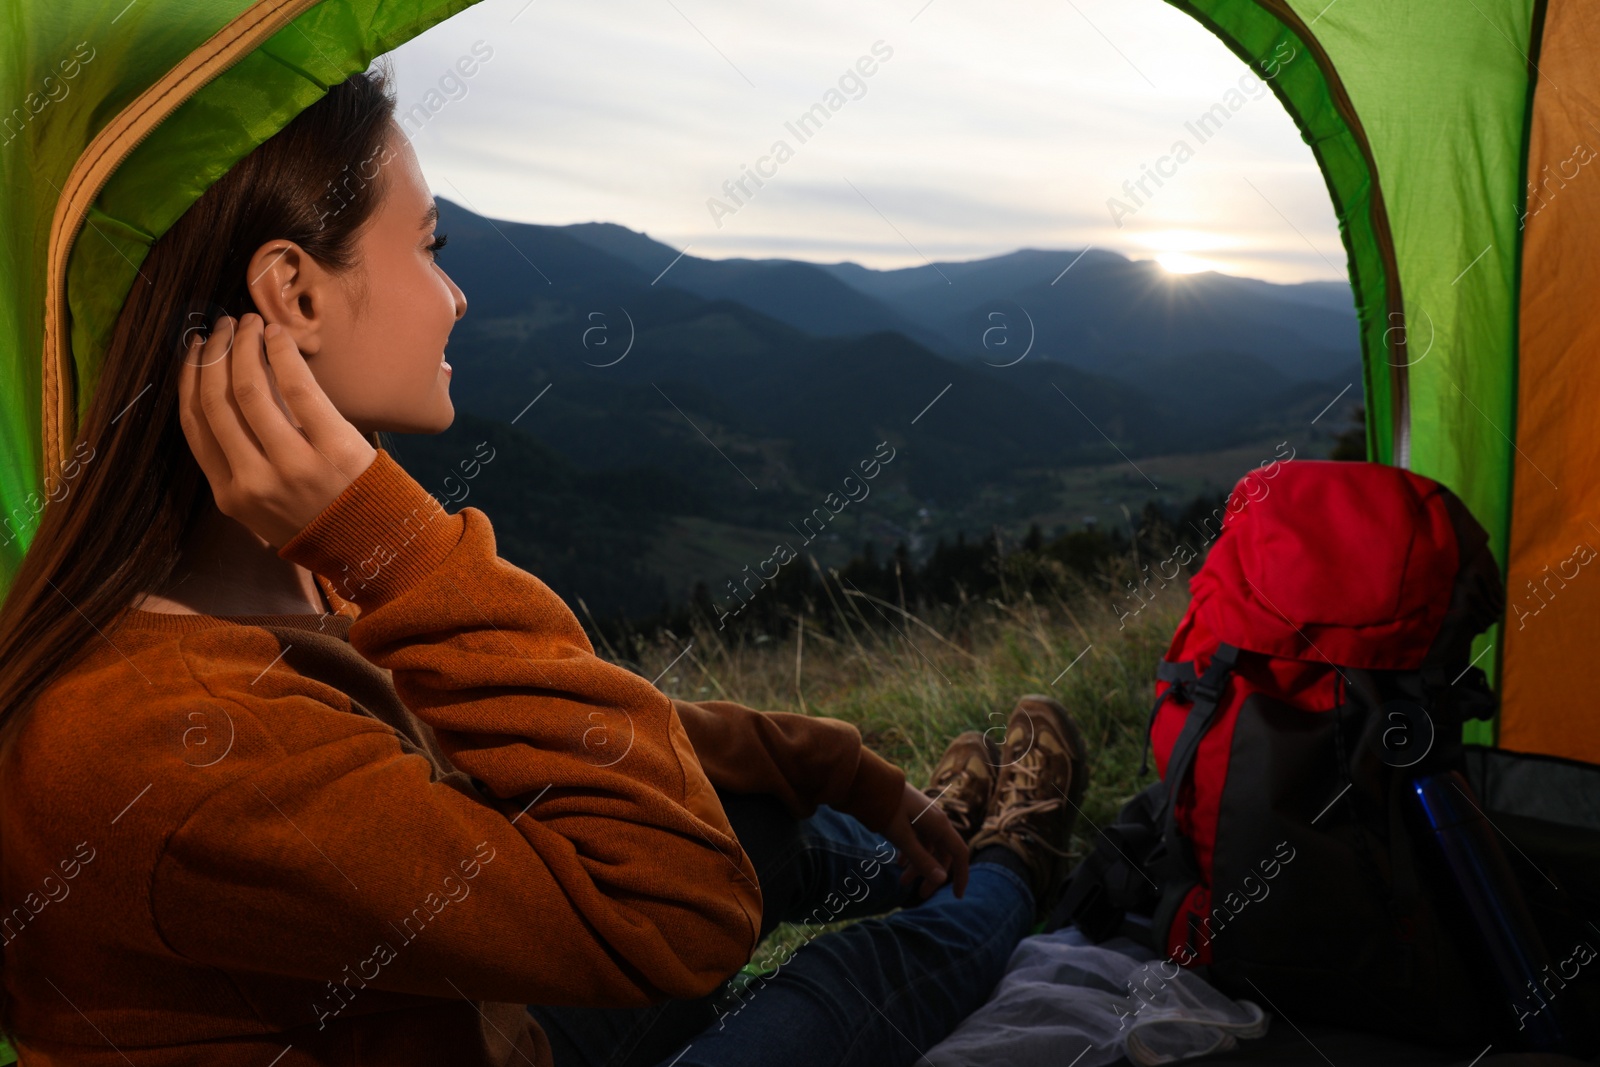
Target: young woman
295	769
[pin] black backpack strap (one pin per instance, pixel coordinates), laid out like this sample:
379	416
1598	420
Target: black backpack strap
1141	863
1179	674
1181	670
1405	902
1118	876
1180	873
1207	698
1087	902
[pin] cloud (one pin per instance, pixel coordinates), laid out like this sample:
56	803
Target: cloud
990	130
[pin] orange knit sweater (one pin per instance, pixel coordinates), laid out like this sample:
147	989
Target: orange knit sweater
372	837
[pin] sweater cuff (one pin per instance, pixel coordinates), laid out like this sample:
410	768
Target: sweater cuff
378	538
876	793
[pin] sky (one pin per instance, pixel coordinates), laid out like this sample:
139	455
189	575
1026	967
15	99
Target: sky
941	130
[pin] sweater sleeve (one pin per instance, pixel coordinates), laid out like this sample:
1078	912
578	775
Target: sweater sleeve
803	760
602	871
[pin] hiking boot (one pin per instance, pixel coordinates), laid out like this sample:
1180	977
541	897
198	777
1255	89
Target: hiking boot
964	779
1042	776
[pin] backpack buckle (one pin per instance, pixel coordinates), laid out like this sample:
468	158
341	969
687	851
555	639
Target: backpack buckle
1211	684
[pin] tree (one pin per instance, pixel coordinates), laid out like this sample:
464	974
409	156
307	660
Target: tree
1352	444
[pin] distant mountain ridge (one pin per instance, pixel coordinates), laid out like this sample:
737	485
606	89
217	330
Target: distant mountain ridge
1093	309
664	417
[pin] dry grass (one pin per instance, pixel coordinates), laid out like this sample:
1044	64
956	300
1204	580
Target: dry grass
911	684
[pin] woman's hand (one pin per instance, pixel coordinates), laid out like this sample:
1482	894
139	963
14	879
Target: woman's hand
929	846
265	473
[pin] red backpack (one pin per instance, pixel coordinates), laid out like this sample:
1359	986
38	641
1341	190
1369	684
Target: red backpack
1311	677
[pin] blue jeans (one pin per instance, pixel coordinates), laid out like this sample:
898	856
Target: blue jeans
879	992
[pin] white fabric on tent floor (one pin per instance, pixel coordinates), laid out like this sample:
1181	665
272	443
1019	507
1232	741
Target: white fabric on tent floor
1064	1000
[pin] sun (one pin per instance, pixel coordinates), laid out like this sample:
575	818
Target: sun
1183	263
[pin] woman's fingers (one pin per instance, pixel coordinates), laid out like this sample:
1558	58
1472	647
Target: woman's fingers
253	393
945	842
217	403
264	472
321	422
202	442
959	861
921	861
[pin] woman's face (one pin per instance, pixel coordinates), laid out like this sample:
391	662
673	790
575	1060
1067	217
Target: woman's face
374	338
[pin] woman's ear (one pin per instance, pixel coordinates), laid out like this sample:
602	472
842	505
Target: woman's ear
291	289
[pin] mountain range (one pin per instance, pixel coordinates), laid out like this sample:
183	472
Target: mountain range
660	418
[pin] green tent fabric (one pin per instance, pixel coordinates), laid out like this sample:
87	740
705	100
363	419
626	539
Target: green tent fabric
1438	97
85	63
1451	139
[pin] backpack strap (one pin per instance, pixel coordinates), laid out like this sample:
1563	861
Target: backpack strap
1178	674
1119	875
1141	848
1180	872
1176	671
1207	698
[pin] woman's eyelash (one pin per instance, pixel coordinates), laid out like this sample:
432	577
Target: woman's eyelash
438	242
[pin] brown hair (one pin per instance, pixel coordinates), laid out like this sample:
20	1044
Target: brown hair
82	571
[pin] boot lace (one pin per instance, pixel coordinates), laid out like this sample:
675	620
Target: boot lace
1024	780
947	796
